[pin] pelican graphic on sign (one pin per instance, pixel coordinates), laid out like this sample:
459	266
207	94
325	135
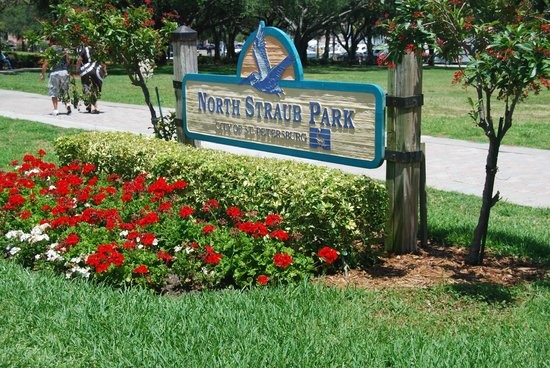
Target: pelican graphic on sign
266	79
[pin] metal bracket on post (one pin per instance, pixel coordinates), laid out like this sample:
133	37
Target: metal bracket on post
403	157
405	102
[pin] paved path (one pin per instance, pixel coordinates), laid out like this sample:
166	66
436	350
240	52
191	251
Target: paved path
452	165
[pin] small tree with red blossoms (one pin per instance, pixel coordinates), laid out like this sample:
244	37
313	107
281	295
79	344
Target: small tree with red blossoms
120	32
508	45
509	49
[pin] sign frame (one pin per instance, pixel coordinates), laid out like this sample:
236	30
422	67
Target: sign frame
298	83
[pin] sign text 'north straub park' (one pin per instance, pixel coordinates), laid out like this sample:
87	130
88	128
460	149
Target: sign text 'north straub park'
268	106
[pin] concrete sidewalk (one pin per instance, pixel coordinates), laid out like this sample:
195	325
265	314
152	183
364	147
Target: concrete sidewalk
452	165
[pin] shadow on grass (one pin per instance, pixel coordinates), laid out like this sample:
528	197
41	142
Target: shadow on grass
484	291
501	241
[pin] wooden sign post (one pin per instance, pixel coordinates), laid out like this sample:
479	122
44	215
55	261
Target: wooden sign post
184	46
403	153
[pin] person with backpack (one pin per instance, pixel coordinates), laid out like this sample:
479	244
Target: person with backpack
92	74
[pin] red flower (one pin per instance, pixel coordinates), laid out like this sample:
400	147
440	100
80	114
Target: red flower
234	213
279	235
25	215
164	256
165	206
328	254
16	200
72	239
41	152
207	229
211	257
88	168
98	198
210	204
262	279
105	255
273	220
186	211
282	260
141	269
147	239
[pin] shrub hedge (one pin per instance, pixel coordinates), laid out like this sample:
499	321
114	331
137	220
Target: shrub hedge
326	206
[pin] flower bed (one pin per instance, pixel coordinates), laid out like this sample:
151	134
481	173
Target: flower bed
141	230
325	207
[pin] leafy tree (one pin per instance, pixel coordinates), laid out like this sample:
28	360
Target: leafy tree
304	20
509	48
120	32
355	22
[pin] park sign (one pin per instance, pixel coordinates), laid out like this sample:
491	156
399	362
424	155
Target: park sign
268	106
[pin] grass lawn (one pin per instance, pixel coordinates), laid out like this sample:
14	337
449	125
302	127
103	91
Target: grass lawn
445	112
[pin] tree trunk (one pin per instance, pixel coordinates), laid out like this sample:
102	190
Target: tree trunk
301	47
477	247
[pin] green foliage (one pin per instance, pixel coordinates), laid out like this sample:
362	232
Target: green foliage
407	30
324	206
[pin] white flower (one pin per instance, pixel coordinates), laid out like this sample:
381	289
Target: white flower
52	256
155	242
124	233
13	251
84	271
14	234
33	171
52	187
76	260
178	248
189	250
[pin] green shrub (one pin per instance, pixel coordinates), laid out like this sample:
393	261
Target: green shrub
25	59
325	206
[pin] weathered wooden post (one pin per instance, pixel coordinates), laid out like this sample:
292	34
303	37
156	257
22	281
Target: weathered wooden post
403	153
184	46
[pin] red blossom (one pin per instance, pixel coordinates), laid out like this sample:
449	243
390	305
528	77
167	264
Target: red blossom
328	254
211	257
210	204
282	260
273	220
262	279
105	255
72	239
25	214
207	229
164	256
147	239
279	235
234	213
186	211
165	206
141	269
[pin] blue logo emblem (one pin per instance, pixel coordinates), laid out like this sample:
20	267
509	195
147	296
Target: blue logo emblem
266	79
319	138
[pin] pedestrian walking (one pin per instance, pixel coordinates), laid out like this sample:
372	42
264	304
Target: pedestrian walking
92	74
58	80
